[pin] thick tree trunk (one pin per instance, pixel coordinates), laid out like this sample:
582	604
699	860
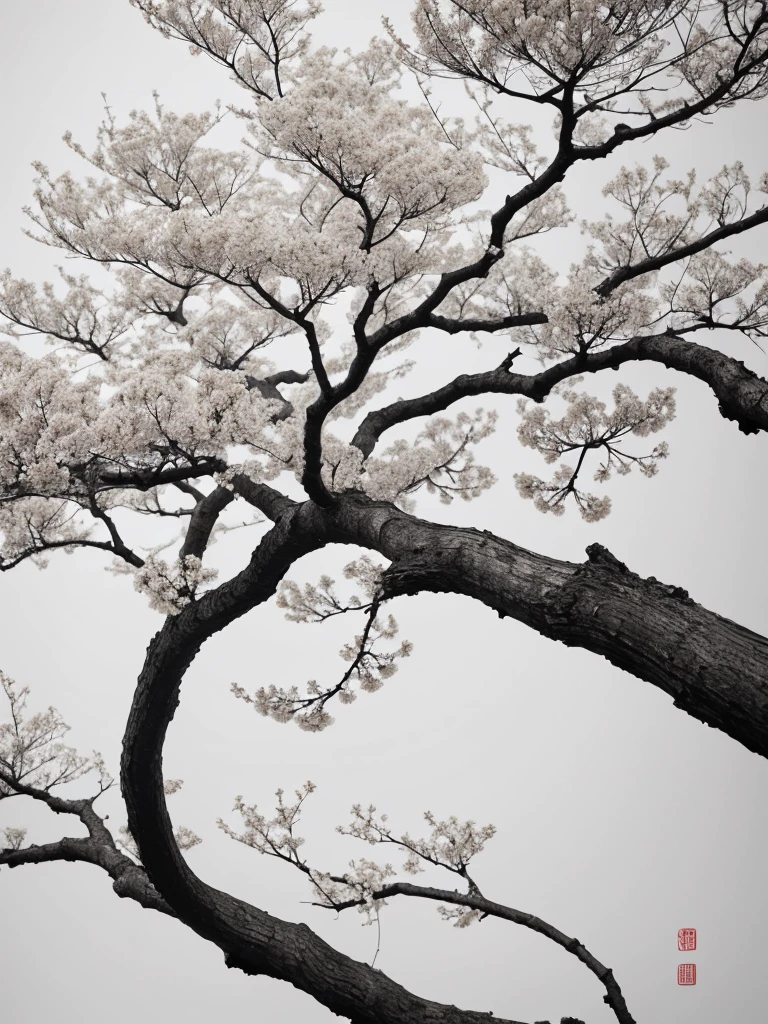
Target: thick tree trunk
713	668
250	938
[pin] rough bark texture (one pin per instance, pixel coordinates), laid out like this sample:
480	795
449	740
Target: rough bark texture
251	939
128	879
488	908
714	669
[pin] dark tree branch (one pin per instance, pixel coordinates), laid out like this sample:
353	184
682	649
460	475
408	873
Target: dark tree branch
64	849
743	396
567	155
129	879
455	326
56	545
287	377
118	545
203	520
146	479
654	263
301	319
488	908
713	668
263	497
252	940
209	507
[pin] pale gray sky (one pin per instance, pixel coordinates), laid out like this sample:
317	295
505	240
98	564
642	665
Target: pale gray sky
620	819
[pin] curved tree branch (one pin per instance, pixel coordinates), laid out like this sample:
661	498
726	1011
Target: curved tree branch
252	940
449	325
488	908
742	394
654	263
55	545
99	848
146	479
713	668
129	880
287	377
203	520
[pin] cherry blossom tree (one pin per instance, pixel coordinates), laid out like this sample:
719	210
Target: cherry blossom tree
206	370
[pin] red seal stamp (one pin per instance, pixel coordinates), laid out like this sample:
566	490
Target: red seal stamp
686	974
686	939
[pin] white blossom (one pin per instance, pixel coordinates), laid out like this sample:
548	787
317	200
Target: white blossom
14	837
250	37
369	665
171	370
586	426
274	836
387	157
440	460
31	749
450	844
580	320
171	587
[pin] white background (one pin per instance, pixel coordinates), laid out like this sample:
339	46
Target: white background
620	819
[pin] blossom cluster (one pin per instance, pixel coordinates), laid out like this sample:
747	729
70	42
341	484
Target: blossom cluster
451	844
354	190
317	602
589	426
33	758
32	753
171	587
250	37
369	665
274	836
529	51
440	460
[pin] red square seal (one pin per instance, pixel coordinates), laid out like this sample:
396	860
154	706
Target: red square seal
686	974
686	939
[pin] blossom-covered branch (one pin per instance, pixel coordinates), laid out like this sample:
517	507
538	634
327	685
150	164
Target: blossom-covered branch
33	762
588	427
451	845
742	394
258	42
369	666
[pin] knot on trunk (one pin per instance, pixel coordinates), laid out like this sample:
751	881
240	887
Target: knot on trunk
599	555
